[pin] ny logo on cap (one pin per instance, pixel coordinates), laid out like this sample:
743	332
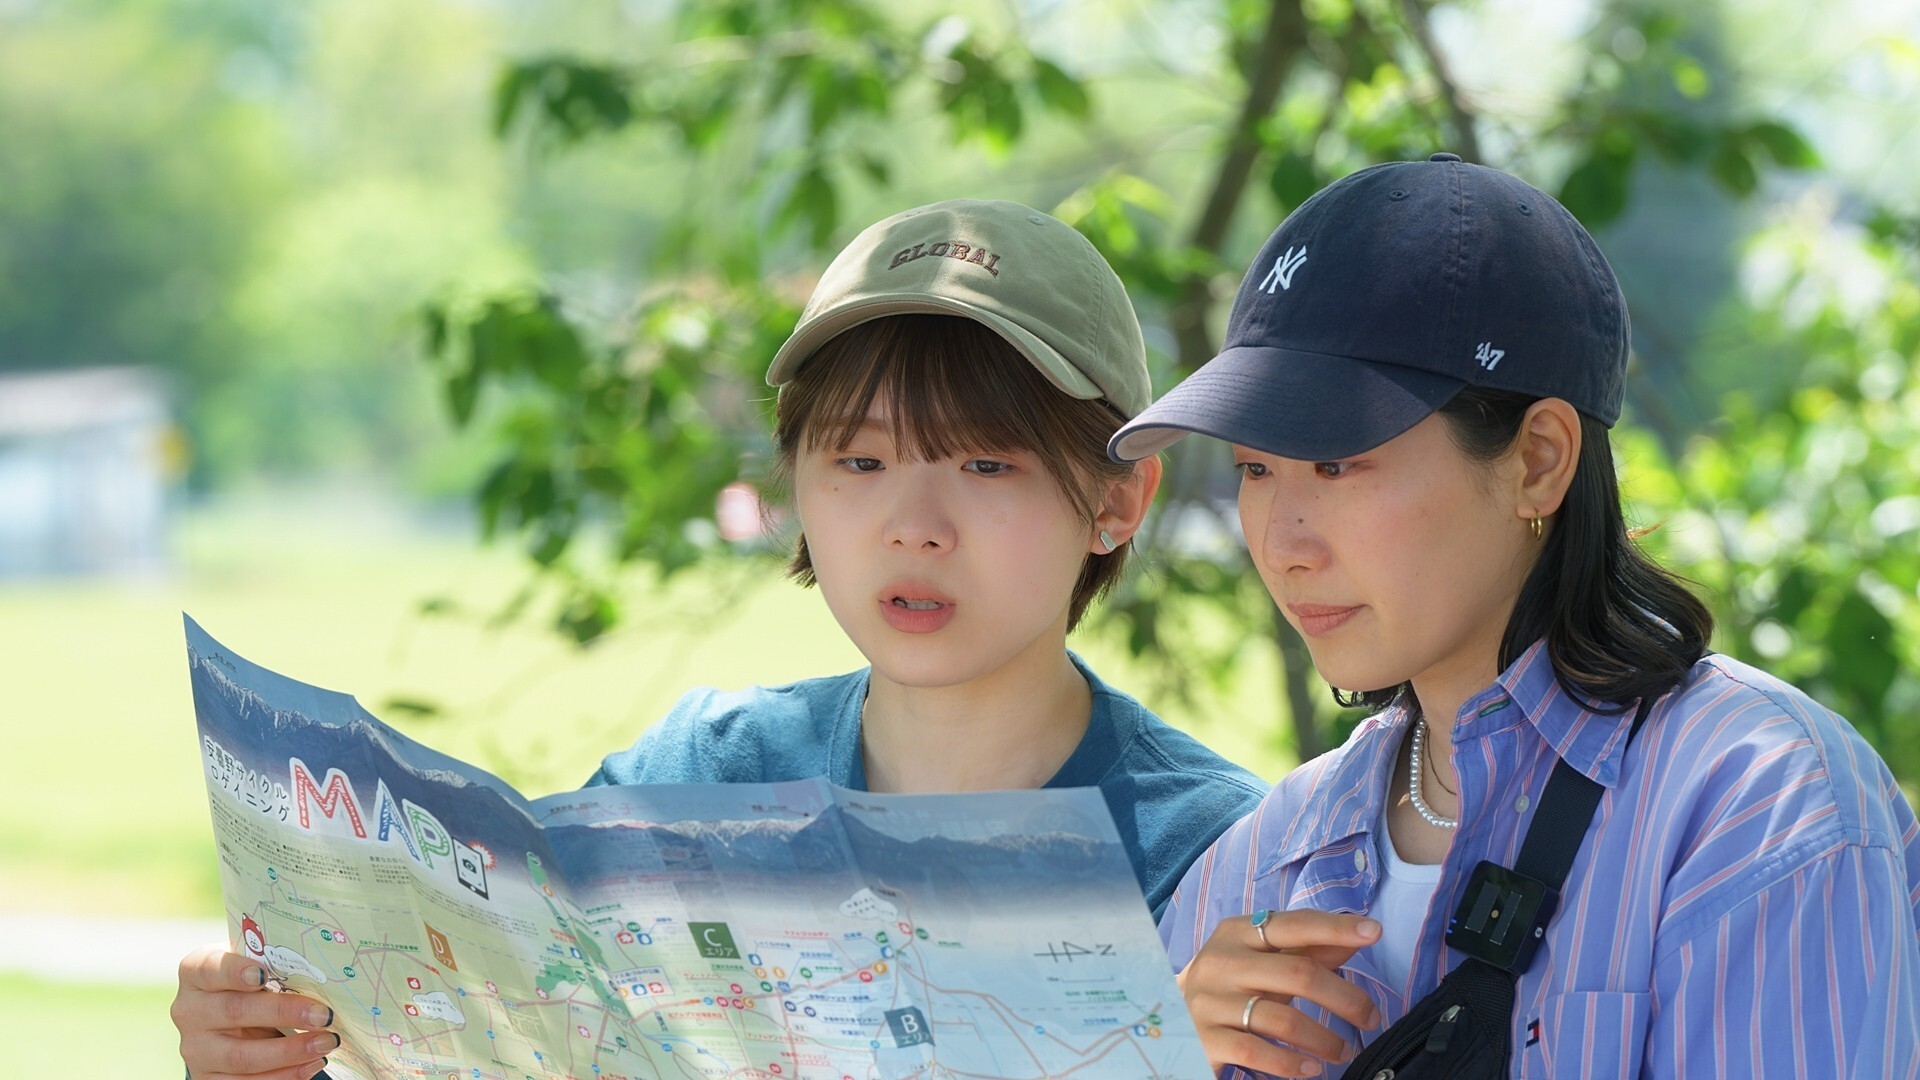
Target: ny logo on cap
1283	268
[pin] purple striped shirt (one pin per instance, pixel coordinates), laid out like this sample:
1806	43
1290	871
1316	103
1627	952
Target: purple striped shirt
1746	903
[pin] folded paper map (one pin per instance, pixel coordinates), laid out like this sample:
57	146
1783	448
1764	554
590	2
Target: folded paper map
788	931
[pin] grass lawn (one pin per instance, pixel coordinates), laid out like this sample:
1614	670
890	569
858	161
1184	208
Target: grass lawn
55	1031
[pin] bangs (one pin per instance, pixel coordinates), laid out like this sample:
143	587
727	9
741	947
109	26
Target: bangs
946	385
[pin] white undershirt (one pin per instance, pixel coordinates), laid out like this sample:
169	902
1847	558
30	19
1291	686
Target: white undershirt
1406	891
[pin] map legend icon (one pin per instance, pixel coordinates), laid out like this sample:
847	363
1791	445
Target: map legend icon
442	948
714	940
909	1027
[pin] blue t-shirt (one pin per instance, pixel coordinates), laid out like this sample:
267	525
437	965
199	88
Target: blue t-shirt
1169	795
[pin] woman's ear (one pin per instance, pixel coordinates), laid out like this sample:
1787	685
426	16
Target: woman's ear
1549	451
1126	506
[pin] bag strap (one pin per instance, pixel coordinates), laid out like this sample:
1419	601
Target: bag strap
1502	913
1566	810
1485	989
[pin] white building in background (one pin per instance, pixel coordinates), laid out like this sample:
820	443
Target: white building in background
86	458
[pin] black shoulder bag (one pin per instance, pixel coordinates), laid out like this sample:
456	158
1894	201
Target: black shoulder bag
1463	1029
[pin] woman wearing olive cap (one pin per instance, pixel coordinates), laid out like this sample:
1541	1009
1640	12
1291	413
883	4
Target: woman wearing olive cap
1421	369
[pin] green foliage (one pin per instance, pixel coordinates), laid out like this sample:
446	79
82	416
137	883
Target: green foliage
1800	517
116	247
811	107
251	199
578	100
632	440
1618	109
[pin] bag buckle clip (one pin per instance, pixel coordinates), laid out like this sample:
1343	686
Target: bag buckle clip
1502	916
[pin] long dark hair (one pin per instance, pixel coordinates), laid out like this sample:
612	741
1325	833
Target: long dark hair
1619	627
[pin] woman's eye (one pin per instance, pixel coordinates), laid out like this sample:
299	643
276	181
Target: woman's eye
988	467
1250	470
859	464
1332	470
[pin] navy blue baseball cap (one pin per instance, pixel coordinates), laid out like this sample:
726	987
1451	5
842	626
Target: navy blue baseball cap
1387	293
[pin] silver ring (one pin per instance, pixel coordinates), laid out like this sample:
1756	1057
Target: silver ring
1260	927
1246	1014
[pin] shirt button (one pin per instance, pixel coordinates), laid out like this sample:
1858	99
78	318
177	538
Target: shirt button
1360	860
1520	804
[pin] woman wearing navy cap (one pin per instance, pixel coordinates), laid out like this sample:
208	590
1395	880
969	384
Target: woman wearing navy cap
1722	877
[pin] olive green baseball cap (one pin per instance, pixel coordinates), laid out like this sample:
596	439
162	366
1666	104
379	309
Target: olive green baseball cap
1029	277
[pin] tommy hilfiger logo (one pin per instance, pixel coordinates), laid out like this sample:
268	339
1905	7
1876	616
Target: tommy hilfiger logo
1489	356
948	249
1283	267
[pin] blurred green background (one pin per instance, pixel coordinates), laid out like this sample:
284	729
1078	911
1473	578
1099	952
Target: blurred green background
300	301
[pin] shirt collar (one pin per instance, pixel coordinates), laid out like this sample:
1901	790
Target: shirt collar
1109	731
1589	735
1348	787
1105	739
1345	791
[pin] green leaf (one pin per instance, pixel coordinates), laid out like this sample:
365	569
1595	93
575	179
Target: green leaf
869	89
1677	139
463	390
1796	592
588	614
551	543
596	100
1059	90
552	347
493	494
982	103
1732	167
574	100
1596	191
1862	656
1293	180
1785	145
826	93
508	90
535	491
813	199
1002	116
1691	79
1662	27
434	319
415	707
1883	224
702	119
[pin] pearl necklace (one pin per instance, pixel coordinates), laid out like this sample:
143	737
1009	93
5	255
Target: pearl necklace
1413	782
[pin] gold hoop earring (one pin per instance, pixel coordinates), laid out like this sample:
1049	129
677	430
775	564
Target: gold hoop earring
1539	527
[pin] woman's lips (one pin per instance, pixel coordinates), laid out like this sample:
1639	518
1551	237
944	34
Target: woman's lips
1318	619
915	610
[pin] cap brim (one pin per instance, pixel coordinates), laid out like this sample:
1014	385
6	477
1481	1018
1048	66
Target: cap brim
1306	406
810	335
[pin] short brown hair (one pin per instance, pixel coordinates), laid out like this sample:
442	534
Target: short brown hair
953	386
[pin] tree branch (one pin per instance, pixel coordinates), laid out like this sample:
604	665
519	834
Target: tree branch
1282	42
1295	662
1285	37
1457	111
